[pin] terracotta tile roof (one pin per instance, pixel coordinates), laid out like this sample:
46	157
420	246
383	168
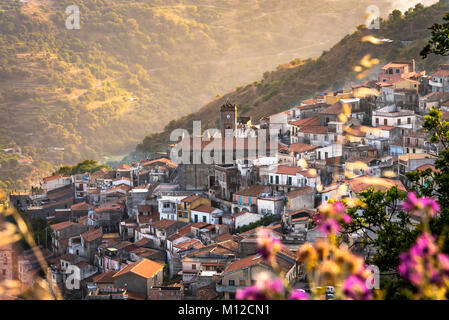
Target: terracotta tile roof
312	106
143	242
50	178
144	268
243	263
314	130
106	277
252	191
223	237
301	147
427	166
395	64
230	244
62	225
190	199
238	214
143	208
334	109
106	209
204	208
92	235
310	101
386	128
309	173
206	293
288	170
162	160
360	184
299	192
163	224
189	244
82	206
123	167
123	187
312	121
440	73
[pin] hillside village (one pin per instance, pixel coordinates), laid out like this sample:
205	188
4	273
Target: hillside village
159	230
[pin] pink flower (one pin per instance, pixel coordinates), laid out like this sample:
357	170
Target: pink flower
267	245
355	288
330	217
298	295
424	246
338	207
262	290
347	219
419	206
329	226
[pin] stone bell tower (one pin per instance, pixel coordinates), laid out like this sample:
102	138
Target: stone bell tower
228	118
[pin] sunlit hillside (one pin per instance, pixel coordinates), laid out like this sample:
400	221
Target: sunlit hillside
133	66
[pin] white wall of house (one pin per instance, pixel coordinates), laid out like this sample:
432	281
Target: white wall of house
56	183
246	218
167	206
269	206
199	216
333	151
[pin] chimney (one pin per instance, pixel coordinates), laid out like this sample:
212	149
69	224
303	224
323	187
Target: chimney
413	65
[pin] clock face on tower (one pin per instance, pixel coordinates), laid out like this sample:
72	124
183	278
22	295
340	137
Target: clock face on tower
228	116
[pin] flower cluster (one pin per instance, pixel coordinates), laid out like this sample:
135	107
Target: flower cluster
331	266
330	217
267	245
420	206
425	267
263	289
267	288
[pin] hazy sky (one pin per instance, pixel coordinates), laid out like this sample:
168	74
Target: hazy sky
405	4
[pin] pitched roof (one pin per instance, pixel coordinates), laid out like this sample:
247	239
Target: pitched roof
105	277
252	191
314	129
386	128
302	147
336	108
62	225
312	121
427	166
190	198
144	268
299	192
124	167
163	224
50	178
204	208
288	170
440	73
243	263
163	160
362	183
82	206
92	235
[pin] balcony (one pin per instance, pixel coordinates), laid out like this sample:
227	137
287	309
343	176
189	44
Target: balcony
435	84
